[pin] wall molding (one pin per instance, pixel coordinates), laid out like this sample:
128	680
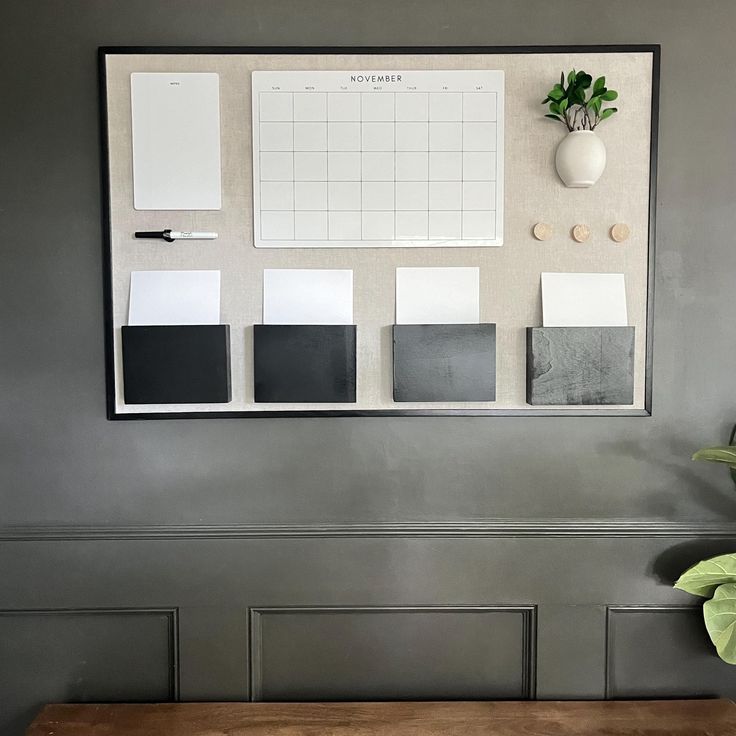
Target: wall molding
627	609
172	616
528	615
622	528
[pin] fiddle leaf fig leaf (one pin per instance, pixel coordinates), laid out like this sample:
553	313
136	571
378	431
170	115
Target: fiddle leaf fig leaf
600	84
610	95
704	577
717	455
720	621
608	112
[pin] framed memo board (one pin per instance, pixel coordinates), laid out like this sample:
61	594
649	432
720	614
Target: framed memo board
374	211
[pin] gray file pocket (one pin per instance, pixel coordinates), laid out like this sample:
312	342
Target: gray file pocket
580	365
444	362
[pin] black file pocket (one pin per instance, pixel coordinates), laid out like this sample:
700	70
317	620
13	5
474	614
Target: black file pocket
444	362
176	364
304	364
580	365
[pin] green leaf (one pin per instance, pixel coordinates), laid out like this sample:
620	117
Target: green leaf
571	77
554	117
705	576
554	107
563	105
720	621
600	84
585	80
610	95
562	79
556	94
717	455
579	97
607	113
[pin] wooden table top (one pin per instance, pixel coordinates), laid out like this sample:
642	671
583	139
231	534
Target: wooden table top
528	718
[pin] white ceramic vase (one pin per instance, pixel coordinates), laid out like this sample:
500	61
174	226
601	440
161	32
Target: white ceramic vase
580	158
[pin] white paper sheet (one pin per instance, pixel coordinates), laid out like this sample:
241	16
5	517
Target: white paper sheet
174	298
176	141
583	300
307	296
437	296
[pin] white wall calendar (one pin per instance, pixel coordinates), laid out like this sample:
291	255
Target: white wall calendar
350	159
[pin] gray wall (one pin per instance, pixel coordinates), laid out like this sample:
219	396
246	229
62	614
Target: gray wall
350	558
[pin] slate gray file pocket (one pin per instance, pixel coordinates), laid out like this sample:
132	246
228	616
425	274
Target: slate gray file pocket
445	362
579	365
304	364
176	364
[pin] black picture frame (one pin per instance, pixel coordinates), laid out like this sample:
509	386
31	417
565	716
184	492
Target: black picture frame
577	411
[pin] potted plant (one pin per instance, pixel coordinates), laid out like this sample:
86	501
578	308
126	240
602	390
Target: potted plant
715	578
581	156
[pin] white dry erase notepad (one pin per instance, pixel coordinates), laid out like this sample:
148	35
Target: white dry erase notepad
307	297
176	141
174	298
583	300
437	296
355	159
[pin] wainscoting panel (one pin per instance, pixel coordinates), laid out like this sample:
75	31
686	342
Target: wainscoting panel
334	617
393	653
663	652
83	656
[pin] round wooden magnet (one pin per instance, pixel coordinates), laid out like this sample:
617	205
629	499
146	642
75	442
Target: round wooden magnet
542	231
580	233
620	232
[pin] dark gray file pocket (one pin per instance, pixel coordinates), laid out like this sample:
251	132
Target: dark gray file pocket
304	364
579	365
176	364
445	362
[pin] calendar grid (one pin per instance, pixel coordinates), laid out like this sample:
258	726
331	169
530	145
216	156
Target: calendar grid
364	164
293	156
394	167
462	164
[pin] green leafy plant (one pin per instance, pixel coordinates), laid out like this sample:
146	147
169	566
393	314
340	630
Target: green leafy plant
577	105
715	578
725	455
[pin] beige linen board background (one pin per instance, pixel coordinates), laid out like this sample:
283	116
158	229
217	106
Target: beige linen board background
509	275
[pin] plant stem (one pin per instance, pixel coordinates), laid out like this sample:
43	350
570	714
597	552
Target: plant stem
567	119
